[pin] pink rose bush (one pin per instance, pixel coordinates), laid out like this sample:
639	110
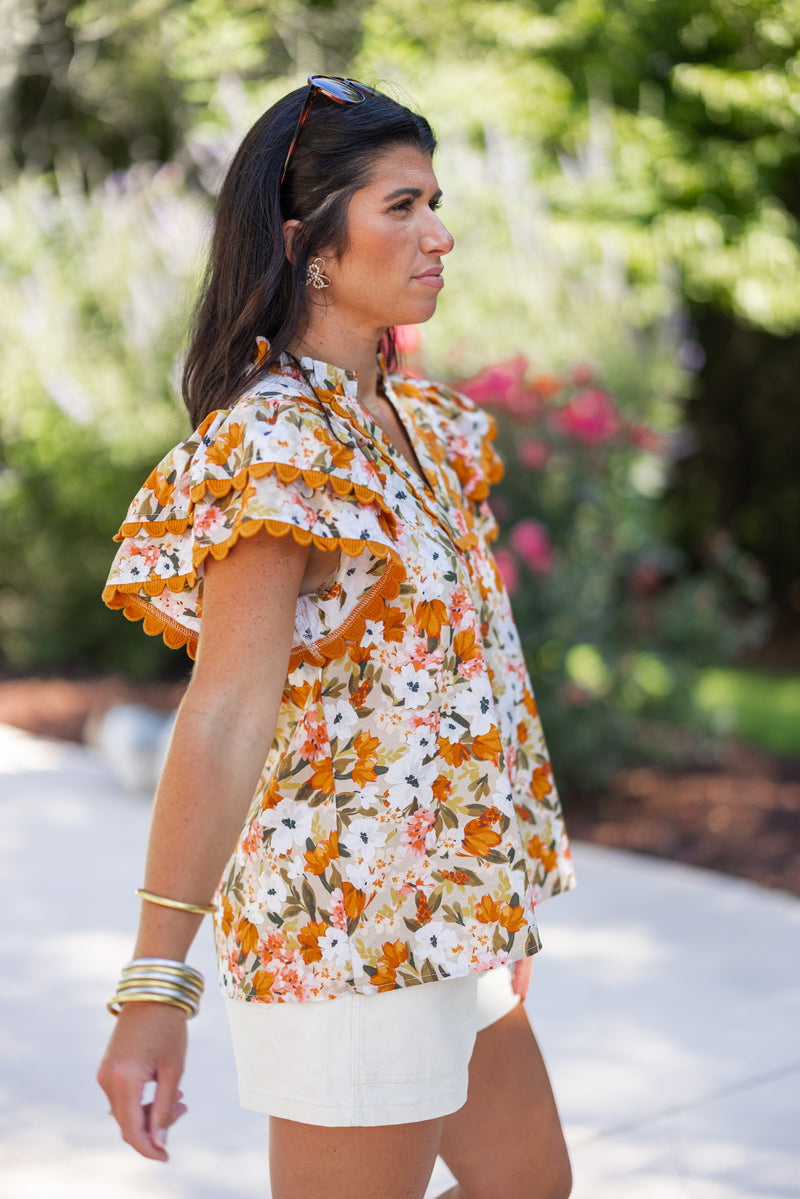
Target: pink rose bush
598	590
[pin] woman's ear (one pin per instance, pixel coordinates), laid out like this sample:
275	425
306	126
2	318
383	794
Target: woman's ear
289	231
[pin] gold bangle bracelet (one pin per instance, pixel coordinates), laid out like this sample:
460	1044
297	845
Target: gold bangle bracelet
197	909
116	1004
192	979
170	965
161	982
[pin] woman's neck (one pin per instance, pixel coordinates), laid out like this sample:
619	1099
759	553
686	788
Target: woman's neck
326	341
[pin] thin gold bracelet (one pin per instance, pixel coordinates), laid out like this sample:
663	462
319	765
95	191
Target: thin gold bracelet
116	1004
198	909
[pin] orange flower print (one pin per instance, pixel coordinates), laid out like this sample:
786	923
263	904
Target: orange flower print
512	917
160	486
341	454
367	749
262	984
442	786
320	857
488	910
456	876
424	914
354	900
541	783
247	935
322	778
150	553
272	796
548	857
454	753
393	622
226	920
479	837
465	646
298	695
308	940
488	747
530	703
226	443
316	744
385	976
430	615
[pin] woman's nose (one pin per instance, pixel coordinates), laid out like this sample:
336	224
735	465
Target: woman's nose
437	238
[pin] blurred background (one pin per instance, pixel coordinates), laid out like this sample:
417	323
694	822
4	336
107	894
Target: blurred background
623	183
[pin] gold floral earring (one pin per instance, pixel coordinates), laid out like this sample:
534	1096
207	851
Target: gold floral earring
315	276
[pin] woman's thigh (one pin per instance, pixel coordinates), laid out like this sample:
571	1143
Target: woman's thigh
393	1161
507	1139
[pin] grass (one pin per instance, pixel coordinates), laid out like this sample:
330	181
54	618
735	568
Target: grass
754	706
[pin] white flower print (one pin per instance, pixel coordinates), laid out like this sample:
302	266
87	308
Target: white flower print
359	875
435	941
421	742
335	946
272	891
476	704
340	718
408	780
364	837
502	799
413	687
292	824
451	729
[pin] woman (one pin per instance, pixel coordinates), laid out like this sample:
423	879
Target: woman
329	520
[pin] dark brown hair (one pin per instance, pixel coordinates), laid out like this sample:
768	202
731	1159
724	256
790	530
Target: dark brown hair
251	287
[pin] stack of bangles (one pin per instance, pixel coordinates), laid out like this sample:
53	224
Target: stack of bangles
161	980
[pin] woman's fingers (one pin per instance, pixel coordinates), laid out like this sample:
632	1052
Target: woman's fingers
148	1045
166	1108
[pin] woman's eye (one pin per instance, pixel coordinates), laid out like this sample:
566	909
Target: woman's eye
403	206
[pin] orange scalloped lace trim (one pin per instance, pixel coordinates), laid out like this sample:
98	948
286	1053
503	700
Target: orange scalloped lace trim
126	596
287	474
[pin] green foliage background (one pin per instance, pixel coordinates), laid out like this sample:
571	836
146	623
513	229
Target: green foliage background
622	182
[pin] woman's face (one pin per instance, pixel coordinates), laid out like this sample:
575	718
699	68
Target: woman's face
391	272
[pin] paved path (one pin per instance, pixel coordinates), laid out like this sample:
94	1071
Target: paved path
667	1001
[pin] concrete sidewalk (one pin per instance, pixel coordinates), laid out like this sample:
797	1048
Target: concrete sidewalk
667	1002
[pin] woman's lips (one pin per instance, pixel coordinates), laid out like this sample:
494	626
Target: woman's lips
430	279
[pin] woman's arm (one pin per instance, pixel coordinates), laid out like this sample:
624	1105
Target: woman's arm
223	733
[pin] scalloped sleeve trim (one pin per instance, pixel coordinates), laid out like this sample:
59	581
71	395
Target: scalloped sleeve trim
129	597
219	488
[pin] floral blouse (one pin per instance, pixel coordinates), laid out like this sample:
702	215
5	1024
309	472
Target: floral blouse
405	824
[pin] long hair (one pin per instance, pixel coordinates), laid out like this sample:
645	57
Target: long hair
251	287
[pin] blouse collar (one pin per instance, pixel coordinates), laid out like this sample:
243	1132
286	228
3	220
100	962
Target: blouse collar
328	377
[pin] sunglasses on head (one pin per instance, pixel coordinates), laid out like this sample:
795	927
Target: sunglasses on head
332	87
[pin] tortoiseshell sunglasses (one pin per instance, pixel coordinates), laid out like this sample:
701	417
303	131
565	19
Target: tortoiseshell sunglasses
341	91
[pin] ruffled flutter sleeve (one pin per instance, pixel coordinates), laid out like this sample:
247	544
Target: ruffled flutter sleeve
266	464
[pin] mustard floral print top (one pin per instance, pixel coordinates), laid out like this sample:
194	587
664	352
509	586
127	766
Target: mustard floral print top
405	823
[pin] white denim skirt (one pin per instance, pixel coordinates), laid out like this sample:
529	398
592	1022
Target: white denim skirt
366	1059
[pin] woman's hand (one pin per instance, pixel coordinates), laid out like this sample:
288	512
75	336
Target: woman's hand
148	1045
522	977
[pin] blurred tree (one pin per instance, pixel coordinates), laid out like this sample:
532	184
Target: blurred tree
657	133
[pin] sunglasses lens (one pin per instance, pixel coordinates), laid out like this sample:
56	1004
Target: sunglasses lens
340	89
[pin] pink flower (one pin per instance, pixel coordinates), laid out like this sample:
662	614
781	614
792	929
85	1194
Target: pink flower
509	571
531	541
408	338
647	439
582	374
493	384
590	417
533	454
